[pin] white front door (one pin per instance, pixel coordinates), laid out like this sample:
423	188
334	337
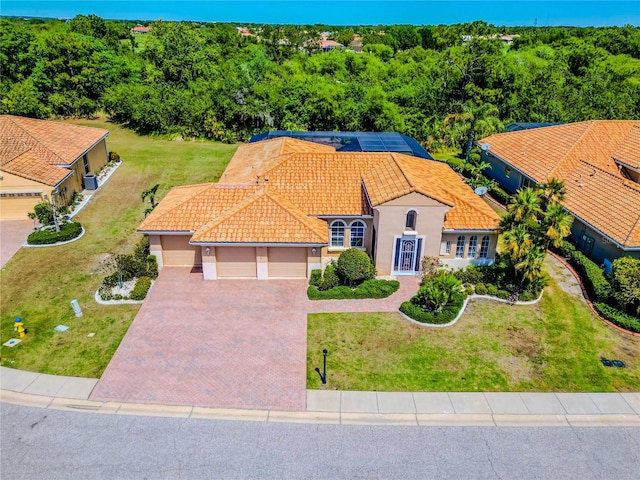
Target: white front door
406	256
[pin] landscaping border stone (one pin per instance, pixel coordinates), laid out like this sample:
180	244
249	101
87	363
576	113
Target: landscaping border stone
26	245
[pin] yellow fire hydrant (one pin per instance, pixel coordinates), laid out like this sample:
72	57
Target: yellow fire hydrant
18	326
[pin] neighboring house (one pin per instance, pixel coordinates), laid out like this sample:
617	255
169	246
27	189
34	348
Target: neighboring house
327	45
284	207
140	29
39	157
598	160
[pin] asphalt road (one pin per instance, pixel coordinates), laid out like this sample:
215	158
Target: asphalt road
50	444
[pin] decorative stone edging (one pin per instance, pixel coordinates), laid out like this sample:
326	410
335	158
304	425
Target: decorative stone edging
585	294
99	300
464	306
108	175
26	245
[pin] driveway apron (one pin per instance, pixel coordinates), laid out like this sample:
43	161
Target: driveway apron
227	344
13	234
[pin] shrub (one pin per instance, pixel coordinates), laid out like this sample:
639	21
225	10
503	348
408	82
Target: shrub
354	266
44	213
618	317
503	294
141	288
625	274
500	195
527	296
152	266
492	290
315	278
481	289
48	236
330	278
566	249
367	289
447	314
114	157
468	289
593	277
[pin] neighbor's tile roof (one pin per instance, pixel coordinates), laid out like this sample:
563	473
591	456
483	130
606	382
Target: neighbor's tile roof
264	218
279	185
608	202
629	150
37	149
583	153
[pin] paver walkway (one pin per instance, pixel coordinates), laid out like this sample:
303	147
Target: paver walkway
231	343
13	234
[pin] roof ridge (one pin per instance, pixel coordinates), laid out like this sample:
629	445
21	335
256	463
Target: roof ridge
245	202
631	230
590	124
36	139
291	208
404	174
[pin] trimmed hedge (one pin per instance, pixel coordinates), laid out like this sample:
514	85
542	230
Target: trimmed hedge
315	278
140	289
593	277
47	236
367	289
447	314
618	317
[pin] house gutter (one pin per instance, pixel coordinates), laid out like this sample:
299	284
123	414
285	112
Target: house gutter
86	151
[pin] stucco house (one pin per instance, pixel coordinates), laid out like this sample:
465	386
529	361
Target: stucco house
598	160
284	207
39	157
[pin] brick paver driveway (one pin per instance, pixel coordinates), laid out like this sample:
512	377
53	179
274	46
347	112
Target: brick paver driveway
229	344
13	234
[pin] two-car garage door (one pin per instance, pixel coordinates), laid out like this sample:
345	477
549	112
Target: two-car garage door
240	262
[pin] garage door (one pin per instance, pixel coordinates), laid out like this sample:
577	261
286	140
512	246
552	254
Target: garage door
288	262
176	251
17	207
236	261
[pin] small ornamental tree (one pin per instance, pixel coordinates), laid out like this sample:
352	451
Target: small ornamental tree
625	274
355	266
438	291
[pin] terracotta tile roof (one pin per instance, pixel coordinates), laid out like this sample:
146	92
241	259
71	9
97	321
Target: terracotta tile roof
287	183
629	150
186	209
608	202
264	218
546	152
583	153
35	149
252	159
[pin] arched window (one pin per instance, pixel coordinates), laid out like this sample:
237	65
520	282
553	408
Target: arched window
411	220
473	246
484	247
337	233
357	233
460	247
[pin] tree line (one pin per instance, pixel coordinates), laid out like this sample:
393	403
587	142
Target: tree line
206	80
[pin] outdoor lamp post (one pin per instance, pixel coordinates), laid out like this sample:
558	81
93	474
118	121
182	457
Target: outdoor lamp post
323	376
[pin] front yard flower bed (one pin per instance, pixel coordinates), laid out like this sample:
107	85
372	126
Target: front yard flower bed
49	236
367	289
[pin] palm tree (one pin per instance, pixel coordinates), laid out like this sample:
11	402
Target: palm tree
557	223
554	190
525	205
530	266
517	243
473	120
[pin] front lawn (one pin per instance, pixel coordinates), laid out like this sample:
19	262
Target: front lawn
38	284
555	345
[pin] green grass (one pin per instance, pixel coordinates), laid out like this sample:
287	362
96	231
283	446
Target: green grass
38	284
555	345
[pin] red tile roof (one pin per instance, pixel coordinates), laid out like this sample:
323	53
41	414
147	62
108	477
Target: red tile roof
584	155
36	149
280	185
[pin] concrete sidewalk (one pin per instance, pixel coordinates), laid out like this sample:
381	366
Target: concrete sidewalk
352	408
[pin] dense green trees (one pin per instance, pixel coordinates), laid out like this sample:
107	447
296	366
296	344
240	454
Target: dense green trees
437	84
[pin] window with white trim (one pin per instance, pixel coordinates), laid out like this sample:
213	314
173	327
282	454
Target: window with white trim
357	233
445	248
473	246
484	247
410	224
460	247
337	233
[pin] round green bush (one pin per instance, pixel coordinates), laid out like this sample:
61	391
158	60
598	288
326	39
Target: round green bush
492	290
503	294
481	289
330	278
354	266
47	236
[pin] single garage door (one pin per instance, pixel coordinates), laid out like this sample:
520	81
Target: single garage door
236	262
17	207
288	262
176	251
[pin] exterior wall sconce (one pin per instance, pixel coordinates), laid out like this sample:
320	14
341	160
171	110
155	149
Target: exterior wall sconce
207	251
313	250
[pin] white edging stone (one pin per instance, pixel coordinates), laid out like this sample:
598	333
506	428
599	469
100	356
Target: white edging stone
464	306
99	300
26	245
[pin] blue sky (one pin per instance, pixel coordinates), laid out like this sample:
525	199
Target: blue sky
347	12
